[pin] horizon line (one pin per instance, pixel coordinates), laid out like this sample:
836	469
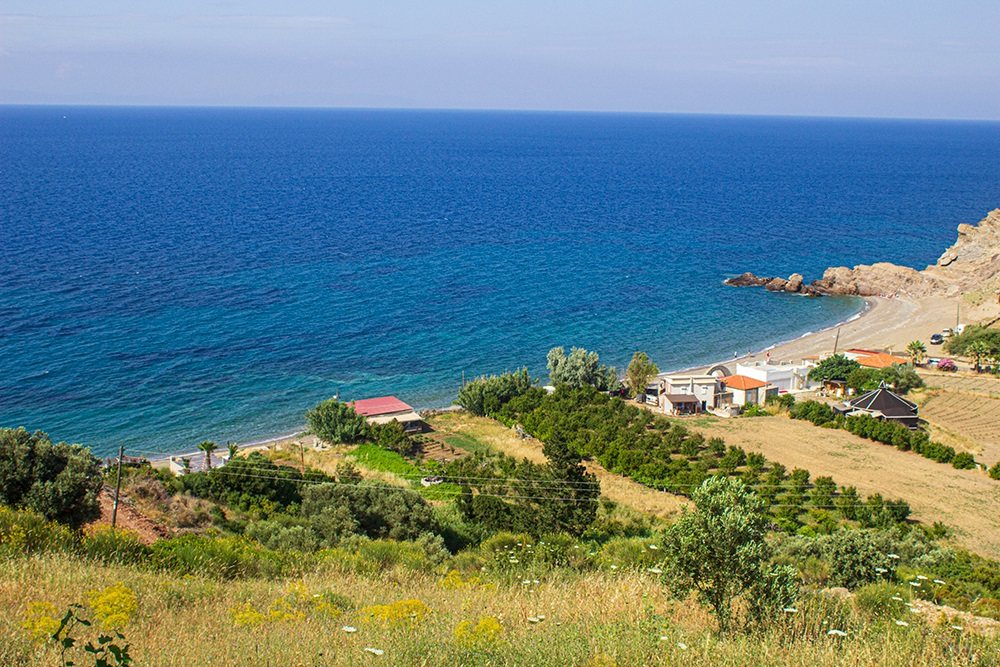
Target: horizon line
605	112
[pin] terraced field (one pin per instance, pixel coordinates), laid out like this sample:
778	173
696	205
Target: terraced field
974	417
984	385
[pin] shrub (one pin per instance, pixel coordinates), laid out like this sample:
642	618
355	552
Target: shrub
486	395
854	556
114	606
963	461
875	601
59	481
109	545
995	471
378	511
27	532
335	422
222	557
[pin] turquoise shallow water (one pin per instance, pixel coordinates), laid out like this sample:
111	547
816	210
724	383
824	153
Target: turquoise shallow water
171	275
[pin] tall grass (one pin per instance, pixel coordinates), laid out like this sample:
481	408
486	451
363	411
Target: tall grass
554	617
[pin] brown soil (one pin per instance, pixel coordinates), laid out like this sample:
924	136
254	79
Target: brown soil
967	501
129	517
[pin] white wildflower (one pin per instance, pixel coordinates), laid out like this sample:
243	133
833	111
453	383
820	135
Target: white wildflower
902	623
376	651
349	628
838	633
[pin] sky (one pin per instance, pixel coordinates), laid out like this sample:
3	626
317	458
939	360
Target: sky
874	58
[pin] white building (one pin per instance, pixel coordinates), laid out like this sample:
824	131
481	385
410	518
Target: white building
705	389
784	375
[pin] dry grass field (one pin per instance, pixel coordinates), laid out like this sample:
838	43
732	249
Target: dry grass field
977	385
966	500
544	618
498	437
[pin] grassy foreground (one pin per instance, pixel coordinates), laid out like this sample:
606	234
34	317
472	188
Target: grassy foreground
540	617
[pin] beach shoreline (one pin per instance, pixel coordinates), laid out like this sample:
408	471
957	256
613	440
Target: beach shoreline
883	324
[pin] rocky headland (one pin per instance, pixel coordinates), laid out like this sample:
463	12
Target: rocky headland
972	263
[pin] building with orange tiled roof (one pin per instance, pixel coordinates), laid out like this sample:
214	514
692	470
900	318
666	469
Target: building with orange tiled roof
875	359
747	390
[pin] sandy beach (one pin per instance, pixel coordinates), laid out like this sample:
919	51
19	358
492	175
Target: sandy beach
886	324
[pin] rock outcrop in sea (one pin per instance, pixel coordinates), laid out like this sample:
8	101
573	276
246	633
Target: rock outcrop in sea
973	262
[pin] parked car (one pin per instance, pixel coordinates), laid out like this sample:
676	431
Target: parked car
946	333
937	339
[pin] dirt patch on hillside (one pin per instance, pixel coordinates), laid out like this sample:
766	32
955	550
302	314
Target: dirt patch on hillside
129	517
965	500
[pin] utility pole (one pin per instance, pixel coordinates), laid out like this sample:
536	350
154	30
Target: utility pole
118	486
836	342
958	310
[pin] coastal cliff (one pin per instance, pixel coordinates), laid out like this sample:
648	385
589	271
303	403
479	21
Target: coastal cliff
973	262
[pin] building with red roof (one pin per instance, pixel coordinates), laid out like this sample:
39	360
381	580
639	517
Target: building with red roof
385	409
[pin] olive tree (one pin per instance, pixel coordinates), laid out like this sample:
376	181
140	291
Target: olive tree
59	481
580	368
719	551
639	372
335	422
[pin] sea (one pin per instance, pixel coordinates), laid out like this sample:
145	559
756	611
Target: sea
170	275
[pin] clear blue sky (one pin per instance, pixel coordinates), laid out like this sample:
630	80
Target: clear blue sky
898	58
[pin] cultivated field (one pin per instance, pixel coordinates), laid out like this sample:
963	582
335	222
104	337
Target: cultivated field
500	438
966	500
974	417
983	385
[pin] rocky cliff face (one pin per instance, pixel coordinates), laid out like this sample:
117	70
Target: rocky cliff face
972	262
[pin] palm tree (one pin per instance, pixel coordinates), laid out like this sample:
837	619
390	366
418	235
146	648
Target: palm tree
977	351
233	448
208	447
917	352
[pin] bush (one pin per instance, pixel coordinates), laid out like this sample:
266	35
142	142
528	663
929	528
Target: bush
486	395
875	601
27	532
995	471
59	481
335	422
222	557
109	545
854	556
377	511
963	461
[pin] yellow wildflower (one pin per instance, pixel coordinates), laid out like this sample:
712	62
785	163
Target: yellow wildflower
396	613
487	630
41	621
114	606
246	616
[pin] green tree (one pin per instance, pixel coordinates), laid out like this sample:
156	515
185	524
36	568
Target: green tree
59	481
837	367
719	550
335	422
207	446
917	351
233	448
580	368
487	394
572	507
639	372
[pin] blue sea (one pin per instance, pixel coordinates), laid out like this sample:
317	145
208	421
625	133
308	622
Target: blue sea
169	275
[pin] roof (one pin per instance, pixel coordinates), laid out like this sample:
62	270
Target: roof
884	401
384	405
402	418
881	360
681	399
742	382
